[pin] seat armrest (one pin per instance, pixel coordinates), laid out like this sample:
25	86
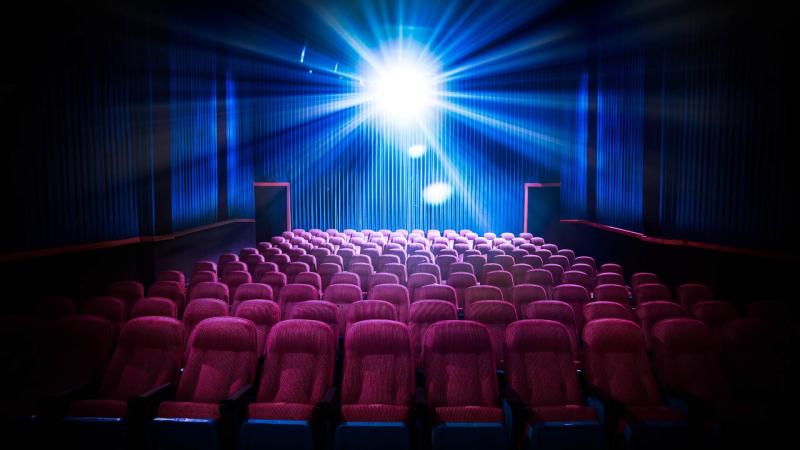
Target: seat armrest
608	408
144	406
421	410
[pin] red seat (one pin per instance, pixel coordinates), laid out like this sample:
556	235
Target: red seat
691	293
394	294
154	306
418	280
345	278
251	291
502	280
609	278
170	290
291	294
129	291
370	310
382	278
560	312
110	308
422	314
540	277
309	278
496	315
210	289
264	314
201	309
576	296
607	310
649	292
651	313
477	293
276	281
612	268
611	293
579	278
437	292
523	294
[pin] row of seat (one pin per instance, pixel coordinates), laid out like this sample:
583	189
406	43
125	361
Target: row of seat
542	404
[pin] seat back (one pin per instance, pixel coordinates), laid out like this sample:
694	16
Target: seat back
607	310
222	357
154	306
421	315
437	292
540	277
560	312
251	291
523	294
111	308
714	313
496	315
309	278
418	280
612	268
148	355
170	290
539	363
264	314
345	278
370	310
200	309
394	294
459	365
378	365
685	359
502	280
275	280
576	296
691	293
210	289
291	294
615	361
319	310
611	293
477	293
129	291
649	292
651	312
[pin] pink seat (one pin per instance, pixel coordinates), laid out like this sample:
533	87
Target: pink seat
395	294
576	296
418	280
325	312
437	292
651	313
251	291
370	310
422	314
309	278
611	293
154	306
209	289
264	314
607	310
523	294
691	293
477	293
342	296
501	280
291	294
560	312
496	315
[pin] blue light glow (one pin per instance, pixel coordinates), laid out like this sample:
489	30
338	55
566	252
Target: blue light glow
415	151
437	193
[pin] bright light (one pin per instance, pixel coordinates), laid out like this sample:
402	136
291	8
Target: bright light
415	151
437	193
403	92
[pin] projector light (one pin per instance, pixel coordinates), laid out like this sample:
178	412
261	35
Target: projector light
437	193
415	151
402	92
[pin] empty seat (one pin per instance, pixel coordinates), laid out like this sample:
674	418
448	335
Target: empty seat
501	280
540	371
421	315
611	293
377	386
649	292
370	310
342	296
643	278
291	294
154	306
210	289
237	266
309	278
251	291
210	266
586	260
264	314
477	262
556	270
490	267
430	268
345	278
496	315
540	277
398	270
202	276
534	261
607	310
559	312
477	293
383	278
460	267
437	292
691	293
461	387
222	357
129	291
576	296
170	290
518	272
201	309
612	268
275	280
364	271
148	356
505	261
609	278
297	378
322	311
618	371
559	260
445	263
579	278
292	269
237	278
172	275
651	313
418	280
523	294
394	294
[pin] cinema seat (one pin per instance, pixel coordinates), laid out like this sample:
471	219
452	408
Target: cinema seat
437	292
576	296
382	278
611	293
275	280
210	289
395	294
172	275
145	365
649	292
291	294
129	291
609	278
219	371
264	314
370	310
624	389
170	290
540	277
292	269
579	278
612	268
251	291
319	310
501	280
651	313
200	309
691	293
461	387
557	311
477	293
534	261
110	308
423	314
523	294
294	392
237	278
154	306
377	387
309	278
496	315
607	310
543	392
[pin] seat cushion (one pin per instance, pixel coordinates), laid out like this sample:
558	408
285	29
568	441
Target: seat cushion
469	414
653	414
189	410
281	411
99	408
375	413
563	413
